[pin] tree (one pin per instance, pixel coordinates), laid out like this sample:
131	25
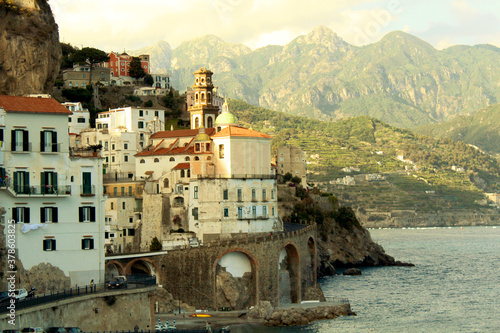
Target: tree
136	71
68	52
148	80
296	179
155	245
287	176
91	57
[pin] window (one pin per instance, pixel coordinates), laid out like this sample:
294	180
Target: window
48	141
48	214
131	232
156	160
183	174
194	212
142	161
264	194
112	158
115	191
123	205
240	212
165	183
49	244
125	158
130	220
113	146
106	235
69	119
19	140
221	151
272	194
225	194
254	211
21	214
240	194
122	190
81	120
272	210
172	159
140	124
22	182
156	113
125	146
141	113
86	214
48	182
87	244
254	195
112	204
130	190
226	212
264	211
195	192
187	158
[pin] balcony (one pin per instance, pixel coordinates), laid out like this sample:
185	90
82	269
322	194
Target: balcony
238	176
38	190
50	148
21	147
87	190
253	217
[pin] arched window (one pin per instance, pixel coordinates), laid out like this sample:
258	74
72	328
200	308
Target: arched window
196	122
209	98
142	161
172	159
209	158
183	173
156	160
210	122
197	147
196	98
187	158
196	158
165	183
202	96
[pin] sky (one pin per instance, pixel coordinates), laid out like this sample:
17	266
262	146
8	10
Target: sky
116	25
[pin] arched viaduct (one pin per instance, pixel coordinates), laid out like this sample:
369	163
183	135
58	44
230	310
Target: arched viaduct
283	266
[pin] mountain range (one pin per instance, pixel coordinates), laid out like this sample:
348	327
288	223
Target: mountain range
401	79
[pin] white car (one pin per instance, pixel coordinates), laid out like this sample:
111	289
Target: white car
20	294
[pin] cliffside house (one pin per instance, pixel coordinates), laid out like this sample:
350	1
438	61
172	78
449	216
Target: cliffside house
79	75
54	197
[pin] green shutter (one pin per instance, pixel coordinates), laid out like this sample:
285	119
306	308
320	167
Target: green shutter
26	182
43	176
42	141
54	141
54	181
16	181
42	214
55	217
26	215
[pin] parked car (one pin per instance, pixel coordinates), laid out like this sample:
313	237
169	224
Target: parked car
117	282
73	330
20	294
33	330
55	330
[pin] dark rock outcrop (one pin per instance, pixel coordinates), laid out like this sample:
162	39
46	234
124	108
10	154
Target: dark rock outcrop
352	271
29	48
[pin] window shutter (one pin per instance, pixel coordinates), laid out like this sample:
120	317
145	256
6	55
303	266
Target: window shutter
26	215
42	214
13	140
91	243
55	217
25	141
83	244
16	181
80	214
26	180
53	244
43	182
54	181
92	214
45	244
42	141
54	141
14	214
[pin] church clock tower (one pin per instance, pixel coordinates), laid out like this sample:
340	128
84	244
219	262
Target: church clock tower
203	112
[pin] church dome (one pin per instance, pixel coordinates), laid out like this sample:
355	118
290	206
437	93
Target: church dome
226	117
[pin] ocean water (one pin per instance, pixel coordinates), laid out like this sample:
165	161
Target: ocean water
455	286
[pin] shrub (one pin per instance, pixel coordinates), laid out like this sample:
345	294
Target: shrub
155	245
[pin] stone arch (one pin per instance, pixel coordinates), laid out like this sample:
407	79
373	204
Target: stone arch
252	279
143	266
113	268
289	287
312	261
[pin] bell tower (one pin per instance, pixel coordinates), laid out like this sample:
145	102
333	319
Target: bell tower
203	112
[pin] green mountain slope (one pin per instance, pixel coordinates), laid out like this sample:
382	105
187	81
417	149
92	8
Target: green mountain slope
401	80
481	129
411	165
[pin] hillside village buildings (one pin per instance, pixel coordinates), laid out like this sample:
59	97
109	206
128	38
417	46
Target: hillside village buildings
292	159
54	197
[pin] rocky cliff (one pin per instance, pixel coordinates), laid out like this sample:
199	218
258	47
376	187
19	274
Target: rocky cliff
29	47
342	240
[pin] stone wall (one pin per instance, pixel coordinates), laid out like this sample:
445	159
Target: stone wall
107	311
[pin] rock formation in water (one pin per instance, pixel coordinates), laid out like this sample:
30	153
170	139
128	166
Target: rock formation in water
29	47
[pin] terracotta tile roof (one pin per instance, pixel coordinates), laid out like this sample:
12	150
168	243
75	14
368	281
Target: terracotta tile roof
180	133
32	105
181	166
167	151
240	131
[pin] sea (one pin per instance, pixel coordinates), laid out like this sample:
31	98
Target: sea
454	286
